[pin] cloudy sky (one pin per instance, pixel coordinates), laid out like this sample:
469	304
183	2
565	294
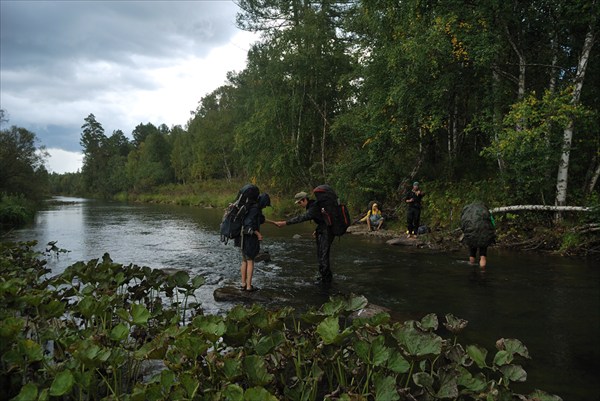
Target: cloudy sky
126	62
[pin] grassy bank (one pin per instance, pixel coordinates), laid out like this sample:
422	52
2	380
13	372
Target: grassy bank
441	211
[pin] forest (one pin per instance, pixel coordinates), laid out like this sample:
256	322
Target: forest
495	100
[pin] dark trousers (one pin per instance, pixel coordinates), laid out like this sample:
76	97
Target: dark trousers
412	220
324	238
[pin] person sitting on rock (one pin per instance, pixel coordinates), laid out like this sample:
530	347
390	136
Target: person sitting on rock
374	218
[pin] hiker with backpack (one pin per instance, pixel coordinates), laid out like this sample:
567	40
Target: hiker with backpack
413	216
332	220
241	222
479	231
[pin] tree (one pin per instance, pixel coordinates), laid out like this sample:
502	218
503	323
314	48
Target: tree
22	170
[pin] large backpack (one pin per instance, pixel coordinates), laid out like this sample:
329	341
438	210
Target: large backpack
477	225
233	218
334	212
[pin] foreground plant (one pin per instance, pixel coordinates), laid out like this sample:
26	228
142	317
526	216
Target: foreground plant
88	333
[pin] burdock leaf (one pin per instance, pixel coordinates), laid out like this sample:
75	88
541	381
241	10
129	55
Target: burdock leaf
397	363
62	384
28	392
356	302
328	329
514	373
385	388
119	332
477	354
454	324
255	369
258	394
139	314
429	322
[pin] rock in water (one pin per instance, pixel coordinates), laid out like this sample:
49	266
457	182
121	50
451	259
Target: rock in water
235	294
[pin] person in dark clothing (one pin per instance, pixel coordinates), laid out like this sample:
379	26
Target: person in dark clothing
413	217
249	242
323	234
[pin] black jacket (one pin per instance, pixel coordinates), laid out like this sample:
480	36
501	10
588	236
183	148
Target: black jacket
313	212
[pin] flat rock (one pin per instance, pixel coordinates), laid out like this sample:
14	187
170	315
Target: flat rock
236	294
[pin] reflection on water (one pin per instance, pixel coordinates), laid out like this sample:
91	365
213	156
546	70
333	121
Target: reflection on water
549	303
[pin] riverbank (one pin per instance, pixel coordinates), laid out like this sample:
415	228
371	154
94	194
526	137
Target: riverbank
523	231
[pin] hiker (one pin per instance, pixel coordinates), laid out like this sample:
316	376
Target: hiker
479	231
413	216
323	233
249	241
374	218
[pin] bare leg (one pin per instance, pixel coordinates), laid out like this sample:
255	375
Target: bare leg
249	272
482	262
243	270
471	260
368	225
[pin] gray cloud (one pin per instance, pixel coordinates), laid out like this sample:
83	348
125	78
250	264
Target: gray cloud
61	60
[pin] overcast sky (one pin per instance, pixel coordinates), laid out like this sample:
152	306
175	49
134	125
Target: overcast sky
126	62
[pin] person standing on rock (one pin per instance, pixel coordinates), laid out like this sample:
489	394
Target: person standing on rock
413	216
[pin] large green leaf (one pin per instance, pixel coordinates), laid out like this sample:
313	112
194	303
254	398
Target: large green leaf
397	363
329	329
474	383
28	392
381	353
385	388
233	392
514	373
267	343
356	302
256	371
454	324
232	368
424	380
139	314
62	383
212	326
416	343
258	394
448	387
429	322
478	355
119	332
513	346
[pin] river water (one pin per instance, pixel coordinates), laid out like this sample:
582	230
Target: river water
551	304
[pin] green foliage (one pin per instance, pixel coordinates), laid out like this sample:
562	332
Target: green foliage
15	210
86	334
22	170
530	144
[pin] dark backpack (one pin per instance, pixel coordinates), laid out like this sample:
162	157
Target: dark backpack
477	225
334	212
233	218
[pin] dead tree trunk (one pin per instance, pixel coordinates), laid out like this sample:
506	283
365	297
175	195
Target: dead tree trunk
549	208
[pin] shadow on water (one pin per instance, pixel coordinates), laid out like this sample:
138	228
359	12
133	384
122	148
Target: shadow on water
549	303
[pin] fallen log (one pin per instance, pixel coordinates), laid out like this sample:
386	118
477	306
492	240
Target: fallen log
549	208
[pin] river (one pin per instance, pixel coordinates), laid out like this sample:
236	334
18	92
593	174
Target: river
550	303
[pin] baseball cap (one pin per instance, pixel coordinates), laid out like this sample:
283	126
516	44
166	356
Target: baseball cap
299	196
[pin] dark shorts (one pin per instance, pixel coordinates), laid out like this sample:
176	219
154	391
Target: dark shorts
482	251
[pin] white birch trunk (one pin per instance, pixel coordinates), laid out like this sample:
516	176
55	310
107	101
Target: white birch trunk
548	208
563	165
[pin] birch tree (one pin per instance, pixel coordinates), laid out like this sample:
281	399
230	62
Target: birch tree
563	165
